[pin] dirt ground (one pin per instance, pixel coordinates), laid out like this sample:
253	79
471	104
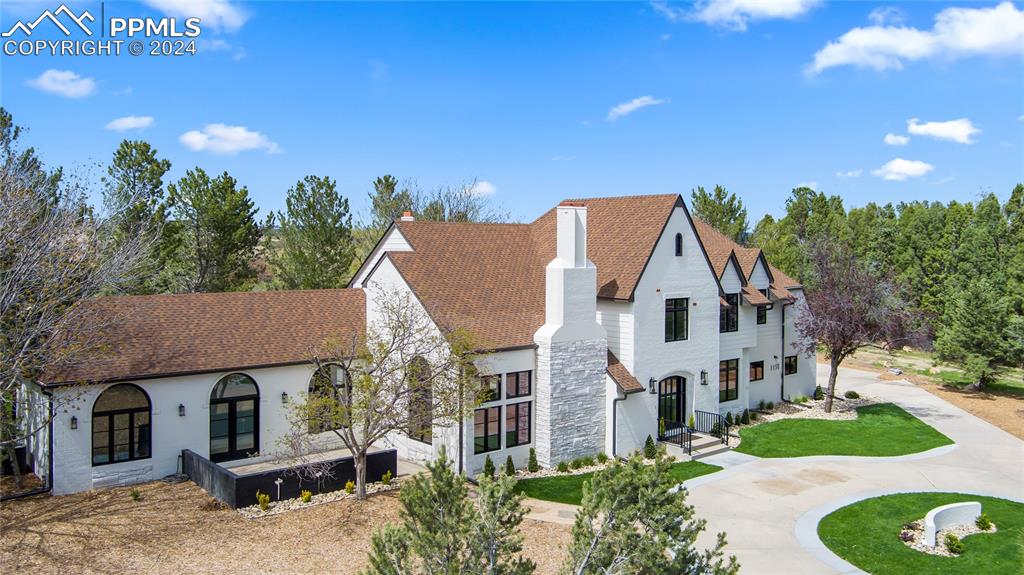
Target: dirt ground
1003	410
173	530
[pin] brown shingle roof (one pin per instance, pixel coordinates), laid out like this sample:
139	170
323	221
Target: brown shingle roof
625	380
753	296
160	335
719	247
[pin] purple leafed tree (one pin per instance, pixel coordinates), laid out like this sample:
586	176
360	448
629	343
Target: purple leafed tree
851	305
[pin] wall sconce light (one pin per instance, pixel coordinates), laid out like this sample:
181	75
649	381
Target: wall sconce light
650	386
703	377
181	410
74	422
284	397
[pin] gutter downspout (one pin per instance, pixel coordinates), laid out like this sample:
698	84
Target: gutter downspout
615	434
782	372
49	457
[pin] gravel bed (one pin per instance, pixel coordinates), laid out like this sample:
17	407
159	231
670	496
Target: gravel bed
842	409
917	540
276	507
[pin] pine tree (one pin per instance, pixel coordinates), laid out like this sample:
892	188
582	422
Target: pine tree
495	543
650	449
974	328
721	210
488	467
532	466
510	468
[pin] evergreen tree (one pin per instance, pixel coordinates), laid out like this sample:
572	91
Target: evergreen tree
721	210
974	328
218	232
312	246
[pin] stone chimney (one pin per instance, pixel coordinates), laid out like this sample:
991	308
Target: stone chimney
572	349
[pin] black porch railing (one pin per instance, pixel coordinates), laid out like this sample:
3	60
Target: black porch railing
676	433
712	424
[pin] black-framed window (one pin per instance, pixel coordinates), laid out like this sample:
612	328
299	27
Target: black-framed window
728	316
421	401
762	310
517	384
679	245
728	379
756	370
121	425
234	418
517	423
328	385
490	388
677	319
487	429
790	365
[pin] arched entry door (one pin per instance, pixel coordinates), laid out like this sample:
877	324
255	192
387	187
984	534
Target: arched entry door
234	418
672	400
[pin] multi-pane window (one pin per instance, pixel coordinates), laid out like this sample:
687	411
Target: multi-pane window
762	310
728	379
517	424
421	401
490	388
756	370
728	317
486	429
121	429
677	319
790	365
329	389
517	384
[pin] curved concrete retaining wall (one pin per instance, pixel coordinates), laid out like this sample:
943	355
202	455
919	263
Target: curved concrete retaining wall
948	516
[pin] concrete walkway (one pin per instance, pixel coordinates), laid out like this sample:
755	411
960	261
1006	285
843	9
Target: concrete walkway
770	507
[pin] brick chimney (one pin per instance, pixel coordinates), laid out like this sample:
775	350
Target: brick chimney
407	216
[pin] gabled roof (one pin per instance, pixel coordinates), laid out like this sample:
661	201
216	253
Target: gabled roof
166	335
720	248
622	377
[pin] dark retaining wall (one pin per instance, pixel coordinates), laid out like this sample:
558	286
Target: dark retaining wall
240	490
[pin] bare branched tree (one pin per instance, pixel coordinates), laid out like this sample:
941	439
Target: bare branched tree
850	306
55	254
299	451
406	375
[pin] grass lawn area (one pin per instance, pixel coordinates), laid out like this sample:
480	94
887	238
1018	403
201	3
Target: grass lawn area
866	534
569	488
880	430
1012	386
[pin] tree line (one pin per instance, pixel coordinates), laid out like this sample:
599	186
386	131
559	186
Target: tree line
961	263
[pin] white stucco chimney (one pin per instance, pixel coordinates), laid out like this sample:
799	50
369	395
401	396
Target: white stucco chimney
572	348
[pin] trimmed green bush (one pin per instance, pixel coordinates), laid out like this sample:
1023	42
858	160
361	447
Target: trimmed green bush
650	449
602	457
386	478
350	487
563	467
818	392
510	468
532	465
263	500
770	406
953	544
136	495
800	399
488	467
728	418
754	416
745	418
306	495
851	395
693	422
983	522
760	405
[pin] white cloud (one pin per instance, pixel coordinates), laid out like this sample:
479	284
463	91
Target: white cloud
666	37
812	185
482	188
958	33
64	83
896	140
887	15
216	14
899	169
227	140
735	14
130	123
954	130
850	173
627	108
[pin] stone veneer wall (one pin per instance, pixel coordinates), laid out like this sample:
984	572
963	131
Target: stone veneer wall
570	388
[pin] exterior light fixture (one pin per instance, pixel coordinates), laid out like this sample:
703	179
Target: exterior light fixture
74	422
181	410
703	377
650	386
284	397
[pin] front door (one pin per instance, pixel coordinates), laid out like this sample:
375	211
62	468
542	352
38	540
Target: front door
233	428
671	400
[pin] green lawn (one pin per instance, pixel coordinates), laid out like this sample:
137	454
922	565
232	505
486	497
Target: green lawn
1008	385
866	534
569	488
880	430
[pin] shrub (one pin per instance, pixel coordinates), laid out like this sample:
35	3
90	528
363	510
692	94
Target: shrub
306	495
693	422
563	467
661	427
488	467
602	457
386	478
263	500
906	536
819	393
983	522
953	544
745	418
754	416
510	468
532	465
576	463
760	405
770	406
136	495
587	460
851	395
728	418
350	487
800	399
650	449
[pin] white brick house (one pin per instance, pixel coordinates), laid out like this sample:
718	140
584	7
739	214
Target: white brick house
603	317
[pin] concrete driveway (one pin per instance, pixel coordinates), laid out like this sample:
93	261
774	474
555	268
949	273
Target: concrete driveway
770	507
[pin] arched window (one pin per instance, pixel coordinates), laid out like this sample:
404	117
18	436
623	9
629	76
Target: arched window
121	425
679	244
234	418
331	381
421	401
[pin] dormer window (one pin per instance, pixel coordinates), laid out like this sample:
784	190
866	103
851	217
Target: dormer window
728	318
679	245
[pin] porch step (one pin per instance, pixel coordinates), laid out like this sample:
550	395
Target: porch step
709	451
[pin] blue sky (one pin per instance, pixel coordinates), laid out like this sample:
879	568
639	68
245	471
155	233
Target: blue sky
523	97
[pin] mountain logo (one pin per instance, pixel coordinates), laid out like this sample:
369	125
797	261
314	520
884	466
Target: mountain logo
27	29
